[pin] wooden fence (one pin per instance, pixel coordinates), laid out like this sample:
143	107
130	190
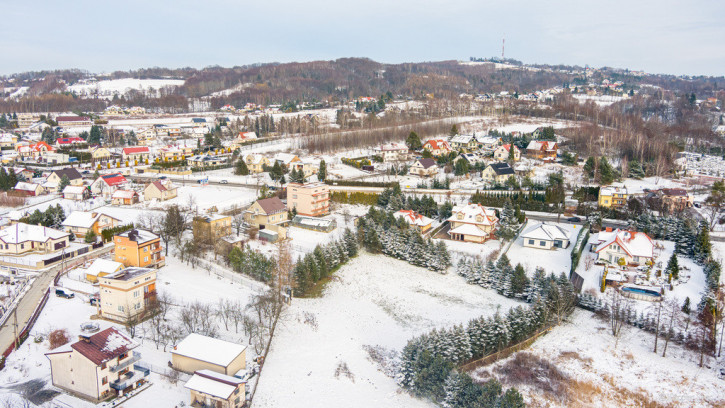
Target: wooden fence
491	358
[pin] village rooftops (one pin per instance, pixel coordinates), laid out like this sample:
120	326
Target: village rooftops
546	232
214	384
138	235
128	273
114	179
83	219
136	150
427	163
104	346
21	232
211	350
502	169
102	265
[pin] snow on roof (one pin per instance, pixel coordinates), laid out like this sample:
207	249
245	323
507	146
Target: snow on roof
104	346
214	384
124	194
103	265
438	144
208	349
633	243
461	139
74	189
487	139
136	150
546	232
285	158
470	213
254	158
23	186
138	235
392	146
413	218
21	232
114	179
83	219
541	145
468	229
611	190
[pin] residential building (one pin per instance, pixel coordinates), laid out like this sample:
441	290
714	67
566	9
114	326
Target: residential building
8	140
464	142
80	222
473	159
27	119
99	366
76	193
211	389
160	190
137	153
124	197
21	238
74	177
127	293
392	152
100	268
613	196
68	141
138	248
415	220
267	211
33	151
197	352
287	160
29	189
207	160
256	162
543	150
545	236
472	223
437	147
502	153
100	153
73	121
210	228
424	167
107	184
488	143
675	199
310	199
634	248
497	173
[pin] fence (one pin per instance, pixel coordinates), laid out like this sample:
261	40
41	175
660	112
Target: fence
470	366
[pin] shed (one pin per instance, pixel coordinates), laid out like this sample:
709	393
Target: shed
197	352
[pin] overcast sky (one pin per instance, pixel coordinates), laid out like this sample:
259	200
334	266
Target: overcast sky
665	36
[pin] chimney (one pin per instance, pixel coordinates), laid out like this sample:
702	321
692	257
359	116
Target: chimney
83	338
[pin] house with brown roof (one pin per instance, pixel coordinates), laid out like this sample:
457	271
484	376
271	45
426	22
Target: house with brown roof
56	176
209	388
98	366
268	213
160	191
424	167
542	149
675	199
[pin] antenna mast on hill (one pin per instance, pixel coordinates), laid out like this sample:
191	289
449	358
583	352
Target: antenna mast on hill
503	47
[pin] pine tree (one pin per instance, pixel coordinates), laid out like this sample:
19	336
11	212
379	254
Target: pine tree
240	169
322	171
673	269
635	170
519	281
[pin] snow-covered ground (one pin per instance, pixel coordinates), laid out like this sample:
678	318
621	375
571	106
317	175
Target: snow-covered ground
108	88
205	197
553	261
601	100
600	372
372	301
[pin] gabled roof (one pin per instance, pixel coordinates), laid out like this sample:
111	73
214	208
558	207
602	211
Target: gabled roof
22	232
507	147
438	144
471	212
138	235
24	186
502	169
69	189
104	346
124	194
212	383
136	150
272	205
114	179
542	145
462	139
427	163
209	349
103	265
546	232
83	219
633	243
69	172
413	218
71	119
158	185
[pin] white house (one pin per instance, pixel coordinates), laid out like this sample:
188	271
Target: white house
472	223
392	152
416	220
545	236
635	248
424	167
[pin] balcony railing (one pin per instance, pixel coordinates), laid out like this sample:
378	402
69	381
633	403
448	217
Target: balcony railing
125	363
128	379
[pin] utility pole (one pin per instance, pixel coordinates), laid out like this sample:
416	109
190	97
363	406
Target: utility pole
15	325
503	47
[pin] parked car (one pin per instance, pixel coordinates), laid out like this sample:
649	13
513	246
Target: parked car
95	301
574	219
224	182
162	178
60	292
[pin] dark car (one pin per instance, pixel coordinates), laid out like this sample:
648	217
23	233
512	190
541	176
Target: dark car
574	219
223	182
60	292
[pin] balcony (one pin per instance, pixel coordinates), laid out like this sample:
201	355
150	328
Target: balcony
130	378
125	363
149	294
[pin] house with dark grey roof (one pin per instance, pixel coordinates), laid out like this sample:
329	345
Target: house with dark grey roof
54	179
98	366
424	167
497	173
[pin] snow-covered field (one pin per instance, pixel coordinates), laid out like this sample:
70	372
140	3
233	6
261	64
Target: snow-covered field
109	87
372	301
205	197
599	372
601	100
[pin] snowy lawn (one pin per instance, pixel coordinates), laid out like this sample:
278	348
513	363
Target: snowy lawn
600	373
553	261
205	197
372	301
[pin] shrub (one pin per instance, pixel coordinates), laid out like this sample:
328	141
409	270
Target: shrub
58	338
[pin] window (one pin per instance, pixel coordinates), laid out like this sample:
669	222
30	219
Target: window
104	381
120	308
146	259
542	243
531	242
136	293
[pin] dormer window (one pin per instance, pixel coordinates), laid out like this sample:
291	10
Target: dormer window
460	216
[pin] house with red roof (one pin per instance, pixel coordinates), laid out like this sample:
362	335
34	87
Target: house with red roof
160	191
437	147
68	141
140	153
542	149
634	248
34	150
502	152
98	366
415	220
107	184
472	223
